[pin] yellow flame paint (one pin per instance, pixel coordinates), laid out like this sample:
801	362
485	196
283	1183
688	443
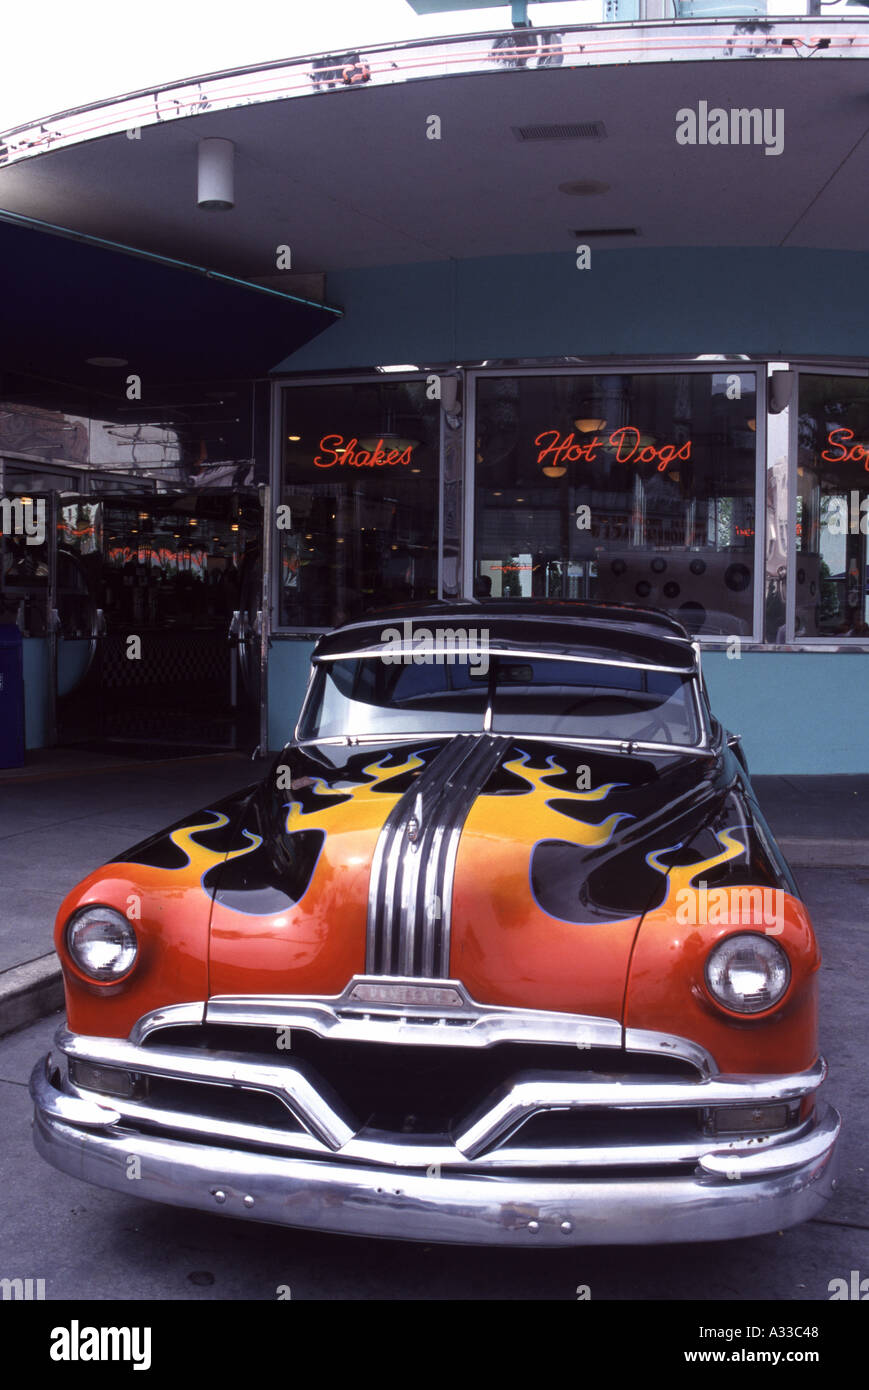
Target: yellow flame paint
201	858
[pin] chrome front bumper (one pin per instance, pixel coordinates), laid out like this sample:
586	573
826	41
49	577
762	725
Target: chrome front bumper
470	1188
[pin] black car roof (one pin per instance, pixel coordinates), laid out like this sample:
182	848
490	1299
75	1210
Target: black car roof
550	626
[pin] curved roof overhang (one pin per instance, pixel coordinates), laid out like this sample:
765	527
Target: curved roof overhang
587	46
345	172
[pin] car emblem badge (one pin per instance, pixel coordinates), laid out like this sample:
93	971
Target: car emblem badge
414	825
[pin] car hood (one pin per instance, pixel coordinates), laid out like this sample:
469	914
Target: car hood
522	868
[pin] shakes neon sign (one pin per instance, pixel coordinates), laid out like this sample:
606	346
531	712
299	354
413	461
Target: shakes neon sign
559	449
349	455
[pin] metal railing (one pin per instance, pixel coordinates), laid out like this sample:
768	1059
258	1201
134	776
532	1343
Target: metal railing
617	32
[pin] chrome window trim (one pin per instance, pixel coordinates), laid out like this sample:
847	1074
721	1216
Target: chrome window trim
368	653
620	744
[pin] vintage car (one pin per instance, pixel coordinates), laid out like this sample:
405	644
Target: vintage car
500	951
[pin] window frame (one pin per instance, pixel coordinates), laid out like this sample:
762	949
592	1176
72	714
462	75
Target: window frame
832	641
754	367
280	387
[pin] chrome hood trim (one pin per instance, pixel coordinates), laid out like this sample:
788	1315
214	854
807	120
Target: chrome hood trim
465	1023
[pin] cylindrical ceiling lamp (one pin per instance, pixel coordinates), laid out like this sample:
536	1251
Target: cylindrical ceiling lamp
215	191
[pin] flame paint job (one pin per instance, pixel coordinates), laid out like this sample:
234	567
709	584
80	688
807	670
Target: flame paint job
318	945
563	899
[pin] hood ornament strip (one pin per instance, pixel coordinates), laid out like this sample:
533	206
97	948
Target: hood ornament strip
410	888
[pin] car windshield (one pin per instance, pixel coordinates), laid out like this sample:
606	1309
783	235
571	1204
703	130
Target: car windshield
368	697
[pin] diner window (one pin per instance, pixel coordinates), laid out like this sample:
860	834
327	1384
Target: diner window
832	508
630	488
360	489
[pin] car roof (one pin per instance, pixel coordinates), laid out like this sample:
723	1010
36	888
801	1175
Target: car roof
552	627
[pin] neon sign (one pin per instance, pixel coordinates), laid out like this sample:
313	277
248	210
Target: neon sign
858	453
351	456
559	449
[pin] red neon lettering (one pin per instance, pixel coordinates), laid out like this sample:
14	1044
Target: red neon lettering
857	454
329	448
617	439
558	449
354	457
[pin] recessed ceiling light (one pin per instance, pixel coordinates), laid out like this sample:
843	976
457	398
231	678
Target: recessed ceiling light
107	361
584	188
294	438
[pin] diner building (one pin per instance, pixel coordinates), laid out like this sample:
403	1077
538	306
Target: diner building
526	314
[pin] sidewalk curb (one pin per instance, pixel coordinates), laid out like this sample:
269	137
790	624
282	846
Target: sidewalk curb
29	992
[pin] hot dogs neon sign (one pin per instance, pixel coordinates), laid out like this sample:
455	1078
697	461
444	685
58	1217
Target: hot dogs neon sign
558	449
349	455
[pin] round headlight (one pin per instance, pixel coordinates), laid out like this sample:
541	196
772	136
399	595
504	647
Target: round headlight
101	942
747	972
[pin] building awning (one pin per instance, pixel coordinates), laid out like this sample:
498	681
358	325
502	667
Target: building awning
68	297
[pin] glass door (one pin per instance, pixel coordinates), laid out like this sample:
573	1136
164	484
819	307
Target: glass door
156	609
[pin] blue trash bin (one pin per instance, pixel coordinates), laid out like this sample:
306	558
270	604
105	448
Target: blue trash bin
11	697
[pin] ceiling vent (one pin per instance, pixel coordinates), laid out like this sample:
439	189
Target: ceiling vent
585	232
577	130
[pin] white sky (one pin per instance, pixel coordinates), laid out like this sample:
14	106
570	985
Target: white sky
62	53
